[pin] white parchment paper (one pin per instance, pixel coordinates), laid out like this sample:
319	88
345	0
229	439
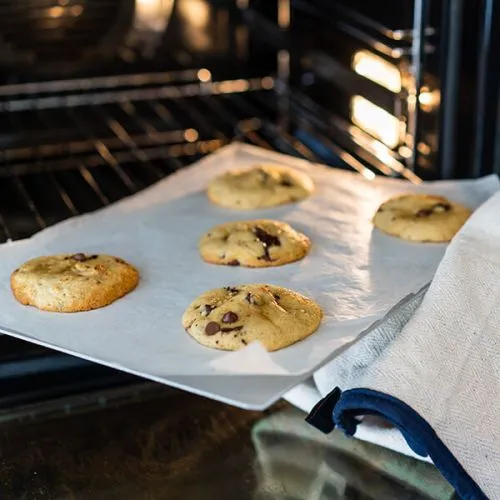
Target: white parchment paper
354	272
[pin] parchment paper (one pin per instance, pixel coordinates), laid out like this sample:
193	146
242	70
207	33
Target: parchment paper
354	272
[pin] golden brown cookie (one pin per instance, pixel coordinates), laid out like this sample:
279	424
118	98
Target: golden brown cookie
253	243
421	217
230	318
73	282
259	187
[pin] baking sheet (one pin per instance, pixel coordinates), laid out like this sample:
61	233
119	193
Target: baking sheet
354	272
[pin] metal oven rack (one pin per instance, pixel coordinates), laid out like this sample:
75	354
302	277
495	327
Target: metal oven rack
64	154
72	146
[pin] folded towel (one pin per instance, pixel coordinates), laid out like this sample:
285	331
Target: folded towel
432	369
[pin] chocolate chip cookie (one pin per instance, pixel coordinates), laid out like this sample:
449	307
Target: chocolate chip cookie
232	317
421	217
253	243
73	282
259	187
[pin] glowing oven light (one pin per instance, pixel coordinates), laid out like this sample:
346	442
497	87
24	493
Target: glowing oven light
204	75
376	121
377	69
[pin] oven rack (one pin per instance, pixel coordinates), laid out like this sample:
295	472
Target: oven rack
70	147
74	146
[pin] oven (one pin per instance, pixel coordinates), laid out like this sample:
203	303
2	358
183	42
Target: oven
101	98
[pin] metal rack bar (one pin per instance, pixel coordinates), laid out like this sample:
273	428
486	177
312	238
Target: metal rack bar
488	78
420	21
240	129
450	71
152	131
21	189
104	152
99	83
59	188
90	180
86	145
165	92
127	140
96	160
199	120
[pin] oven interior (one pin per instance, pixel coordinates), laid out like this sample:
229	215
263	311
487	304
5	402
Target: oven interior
101	98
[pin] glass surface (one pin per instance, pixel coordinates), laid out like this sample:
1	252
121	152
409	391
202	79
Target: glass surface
179	446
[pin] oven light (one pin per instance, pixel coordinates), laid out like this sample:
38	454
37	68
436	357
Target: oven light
376	121
429	99
204	75
191	135
63	10
377	69
56	11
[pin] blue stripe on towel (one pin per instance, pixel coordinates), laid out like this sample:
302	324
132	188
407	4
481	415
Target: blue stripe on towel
342	410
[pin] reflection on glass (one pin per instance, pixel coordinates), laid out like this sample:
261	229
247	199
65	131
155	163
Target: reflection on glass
64	10
153	15
196	12
429	99
151	19
376	121
196	16
378	70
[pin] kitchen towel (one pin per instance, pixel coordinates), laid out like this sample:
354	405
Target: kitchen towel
433	369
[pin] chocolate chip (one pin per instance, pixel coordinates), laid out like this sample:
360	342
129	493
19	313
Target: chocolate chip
276	296
266	238
206	309
437	208
120	261
231	289
230	317
17	270
231	329
286	182
234	262
81	257
250	298
212	328
425	212
243	341
266	256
